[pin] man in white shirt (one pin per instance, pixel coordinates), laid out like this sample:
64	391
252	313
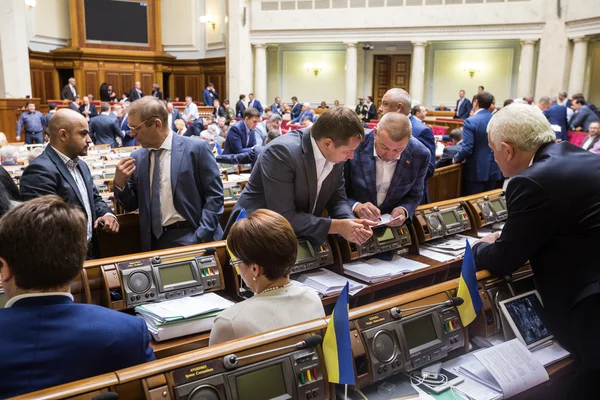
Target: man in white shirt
593	138
191	110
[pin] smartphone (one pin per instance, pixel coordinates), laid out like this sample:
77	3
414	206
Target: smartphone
453	380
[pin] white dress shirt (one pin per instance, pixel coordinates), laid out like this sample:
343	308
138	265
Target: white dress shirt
170	120
167	207
323	168
384	172
588	143
73	90
13	300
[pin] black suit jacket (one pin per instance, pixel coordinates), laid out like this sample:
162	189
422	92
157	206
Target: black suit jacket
66	93
48	174
554	222
447	156
157	94
93	110
104	130
220	112
134	95
46	120
240	107
73	107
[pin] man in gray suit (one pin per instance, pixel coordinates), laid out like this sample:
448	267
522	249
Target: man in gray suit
583	117
300	174
105	130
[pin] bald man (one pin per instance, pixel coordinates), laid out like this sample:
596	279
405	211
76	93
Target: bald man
59	171
387	173
398	100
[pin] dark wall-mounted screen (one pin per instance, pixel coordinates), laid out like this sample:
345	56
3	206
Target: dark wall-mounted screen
116	21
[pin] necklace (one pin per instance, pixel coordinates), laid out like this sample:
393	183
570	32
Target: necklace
275	288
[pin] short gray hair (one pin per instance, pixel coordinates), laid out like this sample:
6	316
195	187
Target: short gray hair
9	153
401	96
34	153
397	126
275	117
521	125
563	93
545	100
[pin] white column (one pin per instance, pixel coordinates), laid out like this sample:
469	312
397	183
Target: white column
274	73
578	63
351	74
238	50
526	69
417	72
260	73
15	77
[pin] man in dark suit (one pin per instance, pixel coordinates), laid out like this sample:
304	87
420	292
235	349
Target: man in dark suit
301	174
249	157
209	95
87	109
481	173
241	137
556	115
307	112
59	171
53	340
387	173
583	117
553	201
74	105
69	91
218	111
136	92
296	108
594	136
370	110
104	130
398	100
46	119
463	106
174	115
156	91
183	209
450	151
240	107
253	103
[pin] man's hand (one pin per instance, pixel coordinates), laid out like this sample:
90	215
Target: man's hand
367	211
123	172
491	238
18	138
353	230
398	211
111	224
578	129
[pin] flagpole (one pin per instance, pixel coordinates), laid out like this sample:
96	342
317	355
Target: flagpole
346	392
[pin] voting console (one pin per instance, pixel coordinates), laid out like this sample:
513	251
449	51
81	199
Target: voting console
310	256
488	209
440	221
385	238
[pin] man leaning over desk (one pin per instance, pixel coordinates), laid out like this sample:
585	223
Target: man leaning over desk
387	173
301	174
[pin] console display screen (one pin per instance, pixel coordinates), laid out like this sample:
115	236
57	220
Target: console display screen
174	274
303	252
497	205
419	331
383	234
525	313
265	383
449	218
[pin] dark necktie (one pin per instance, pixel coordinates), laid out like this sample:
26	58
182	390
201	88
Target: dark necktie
155	211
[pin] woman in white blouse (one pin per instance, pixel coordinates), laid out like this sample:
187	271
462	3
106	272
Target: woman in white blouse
264	247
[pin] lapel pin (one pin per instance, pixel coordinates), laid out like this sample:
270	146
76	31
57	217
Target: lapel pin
408	161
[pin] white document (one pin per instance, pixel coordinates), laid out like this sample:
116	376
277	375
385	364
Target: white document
328	282
386	219
434	255
550	354
513	367
186	307
475	390
366	272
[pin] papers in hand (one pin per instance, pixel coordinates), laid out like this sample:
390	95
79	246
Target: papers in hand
376	270
328	283
386	219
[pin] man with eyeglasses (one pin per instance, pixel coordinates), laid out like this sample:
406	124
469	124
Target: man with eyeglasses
59	171
173	180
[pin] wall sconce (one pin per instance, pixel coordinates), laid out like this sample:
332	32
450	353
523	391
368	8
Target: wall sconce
205	19
314	68
30	4
471	68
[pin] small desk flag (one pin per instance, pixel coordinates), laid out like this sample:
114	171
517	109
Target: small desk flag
337	349
468	290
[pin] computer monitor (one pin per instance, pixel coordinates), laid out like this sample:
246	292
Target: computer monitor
522	313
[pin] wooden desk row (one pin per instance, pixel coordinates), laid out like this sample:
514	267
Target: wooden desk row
202	370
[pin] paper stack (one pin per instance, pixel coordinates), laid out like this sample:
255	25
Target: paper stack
376	270
328	283
180	317
446	249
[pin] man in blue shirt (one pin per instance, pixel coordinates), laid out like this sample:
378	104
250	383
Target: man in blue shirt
31	120
191	110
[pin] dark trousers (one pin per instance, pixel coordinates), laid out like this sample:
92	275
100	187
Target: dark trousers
34	138
472	187
176	237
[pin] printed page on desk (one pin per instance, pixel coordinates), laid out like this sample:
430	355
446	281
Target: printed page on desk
513	367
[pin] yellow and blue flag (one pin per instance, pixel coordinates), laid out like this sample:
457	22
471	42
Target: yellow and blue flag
468	290
337	348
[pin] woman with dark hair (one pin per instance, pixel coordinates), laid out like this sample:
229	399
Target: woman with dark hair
104	95
264	249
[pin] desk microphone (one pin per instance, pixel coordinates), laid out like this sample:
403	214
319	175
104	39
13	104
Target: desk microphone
452	301
231	361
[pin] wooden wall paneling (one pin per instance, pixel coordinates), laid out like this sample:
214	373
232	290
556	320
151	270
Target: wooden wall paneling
147	81
38	87
192	86
179	87
49	86
91	84
126	82
113	78
381	77
400	72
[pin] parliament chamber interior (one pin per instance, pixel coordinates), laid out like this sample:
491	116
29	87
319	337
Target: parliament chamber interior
299	199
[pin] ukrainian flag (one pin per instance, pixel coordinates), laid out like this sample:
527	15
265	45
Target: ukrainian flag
468	290
336	344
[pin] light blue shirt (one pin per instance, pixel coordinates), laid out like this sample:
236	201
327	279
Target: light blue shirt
191	110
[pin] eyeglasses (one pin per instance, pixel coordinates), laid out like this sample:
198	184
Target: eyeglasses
133	128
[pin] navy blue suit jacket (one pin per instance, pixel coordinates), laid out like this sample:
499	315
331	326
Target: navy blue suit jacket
557	115
308	113
256	104
104	130
127	139
54	341
195	183
176	116
249	157
480	165
48	174
465	109
296	110
240	107
424	134
209	97
237	140
406	188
